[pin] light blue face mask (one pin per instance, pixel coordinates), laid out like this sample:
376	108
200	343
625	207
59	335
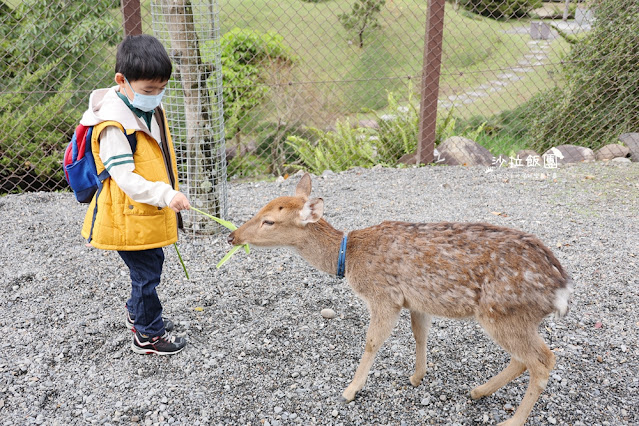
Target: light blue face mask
145	103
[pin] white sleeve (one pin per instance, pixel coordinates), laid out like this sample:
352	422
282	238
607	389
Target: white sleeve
116	155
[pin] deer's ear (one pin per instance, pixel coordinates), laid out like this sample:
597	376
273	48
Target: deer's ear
304	186
312	211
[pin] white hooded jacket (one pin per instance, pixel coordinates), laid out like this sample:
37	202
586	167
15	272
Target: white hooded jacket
115	151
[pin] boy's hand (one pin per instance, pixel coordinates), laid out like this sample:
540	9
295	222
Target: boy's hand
179	202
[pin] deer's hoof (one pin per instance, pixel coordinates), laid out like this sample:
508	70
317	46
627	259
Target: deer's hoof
343	400
415	381
475	394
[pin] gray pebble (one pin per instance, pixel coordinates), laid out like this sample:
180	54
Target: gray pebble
328	313
65	355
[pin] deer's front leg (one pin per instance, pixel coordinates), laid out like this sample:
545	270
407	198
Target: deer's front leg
383	319
420	323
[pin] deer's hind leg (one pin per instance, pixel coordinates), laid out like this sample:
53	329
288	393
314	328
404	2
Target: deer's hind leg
383	320
529	352
513	370
420	323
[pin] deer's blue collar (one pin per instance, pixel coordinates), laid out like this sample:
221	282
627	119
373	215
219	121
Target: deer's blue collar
341	259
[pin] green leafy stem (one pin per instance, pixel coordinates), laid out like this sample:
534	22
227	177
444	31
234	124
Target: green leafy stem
230	226
228	255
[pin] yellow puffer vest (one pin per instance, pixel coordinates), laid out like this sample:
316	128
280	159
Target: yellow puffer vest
113	220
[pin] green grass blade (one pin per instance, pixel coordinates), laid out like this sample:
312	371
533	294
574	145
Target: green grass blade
229	254
181	261
222	222
228	225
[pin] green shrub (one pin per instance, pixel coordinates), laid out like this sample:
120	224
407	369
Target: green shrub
340	150
597	101
502	134
248	166
398	129
74	33
43	43
271	143
397	134
244	55
34	137
501	9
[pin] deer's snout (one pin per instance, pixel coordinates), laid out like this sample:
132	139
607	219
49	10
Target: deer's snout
231	238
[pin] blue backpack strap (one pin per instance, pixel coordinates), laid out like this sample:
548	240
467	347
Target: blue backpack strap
133	141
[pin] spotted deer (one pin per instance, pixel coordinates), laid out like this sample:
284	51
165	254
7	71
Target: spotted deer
506	279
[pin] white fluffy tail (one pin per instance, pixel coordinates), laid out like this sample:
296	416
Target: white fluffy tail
562	299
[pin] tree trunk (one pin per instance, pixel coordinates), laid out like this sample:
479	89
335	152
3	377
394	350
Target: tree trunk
203	145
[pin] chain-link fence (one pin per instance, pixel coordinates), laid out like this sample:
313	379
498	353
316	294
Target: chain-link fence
336	84
190	30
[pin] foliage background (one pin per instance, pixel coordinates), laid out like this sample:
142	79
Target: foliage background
295	77
600	75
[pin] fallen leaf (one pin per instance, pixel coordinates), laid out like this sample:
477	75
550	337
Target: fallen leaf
598	324
558	244
198	309
599	358
496	213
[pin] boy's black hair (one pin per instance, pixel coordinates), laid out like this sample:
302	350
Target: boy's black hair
142	57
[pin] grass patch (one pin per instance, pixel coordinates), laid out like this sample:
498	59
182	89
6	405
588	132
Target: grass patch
351	78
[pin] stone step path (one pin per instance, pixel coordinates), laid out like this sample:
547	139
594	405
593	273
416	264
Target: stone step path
536	56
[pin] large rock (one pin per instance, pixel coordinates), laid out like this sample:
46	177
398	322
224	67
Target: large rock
409	159
525	153
631	140
565	154
529	157
368	124
610	151
460	151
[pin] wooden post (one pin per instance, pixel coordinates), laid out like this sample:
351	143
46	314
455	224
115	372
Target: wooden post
566	11
132	17
433	41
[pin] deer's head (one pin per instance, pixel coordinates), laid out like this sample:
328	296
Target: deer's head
282	222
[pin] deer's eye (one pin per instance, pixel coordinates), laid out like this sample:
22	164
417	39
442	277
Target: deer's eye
268	222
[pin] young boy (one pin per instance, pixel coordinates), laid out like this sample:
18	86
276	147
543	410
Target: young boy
135	211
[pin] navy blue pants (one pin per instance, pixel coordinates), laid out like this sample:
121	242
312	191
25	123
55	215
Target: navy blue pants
145	267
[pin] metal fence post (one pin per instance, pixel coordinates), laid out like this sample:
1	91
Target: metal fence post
431	70
132	17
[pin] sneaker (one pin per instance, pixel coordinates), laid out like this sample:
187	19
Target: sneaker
130	322
161	345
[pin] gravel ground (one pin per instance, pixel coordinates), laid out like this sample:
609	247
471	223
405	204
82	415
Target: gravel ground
259	351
